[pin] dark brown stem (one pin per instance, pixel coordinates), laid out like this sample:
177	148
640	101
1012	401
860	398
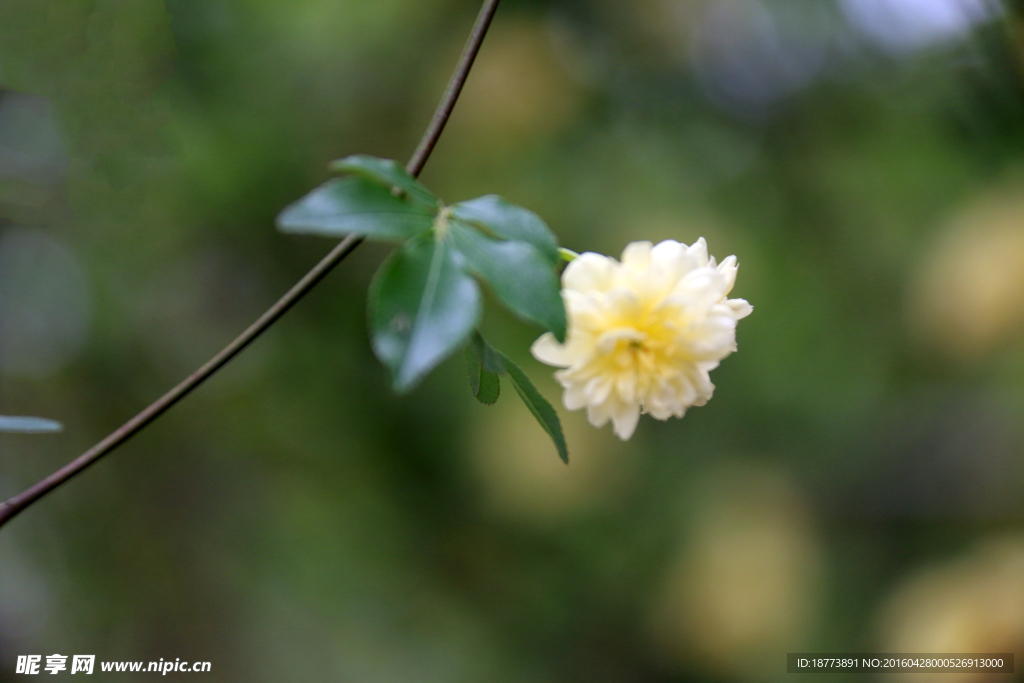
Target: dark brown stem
16	504
451	93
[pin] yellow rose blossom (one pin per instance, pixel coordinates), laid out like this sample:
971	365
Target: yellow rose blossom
643	333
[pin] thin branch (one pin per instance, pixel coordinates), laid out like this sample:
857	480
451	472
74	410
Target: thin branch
451	93
16	504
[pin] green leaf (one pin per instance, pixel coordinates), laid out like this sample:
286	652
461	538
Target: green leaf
483	359
356	206
422	307
508	221
483	381
488	354
386	172
519	275
29	425
537	404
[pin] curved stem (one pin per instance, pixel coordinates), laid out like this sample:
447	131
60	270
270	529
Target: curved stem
451	93
16	504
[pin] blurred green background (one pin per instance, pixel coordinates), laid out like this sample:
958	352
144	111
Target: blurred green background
857	483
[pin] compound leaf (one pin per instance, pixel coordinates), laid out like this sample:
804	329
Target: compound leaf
387	172
484	382
538	405
518	274
356	206
422	307
508	221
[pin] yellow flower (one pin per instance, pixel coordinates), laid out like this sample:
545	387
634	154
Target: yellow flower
643	333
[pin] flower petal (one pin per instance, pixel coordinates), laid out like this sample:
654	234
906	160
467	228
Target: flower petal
728	268
599	415
637	255
547	350
588	272
699	252
740	307
625	417
575	396
673	259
